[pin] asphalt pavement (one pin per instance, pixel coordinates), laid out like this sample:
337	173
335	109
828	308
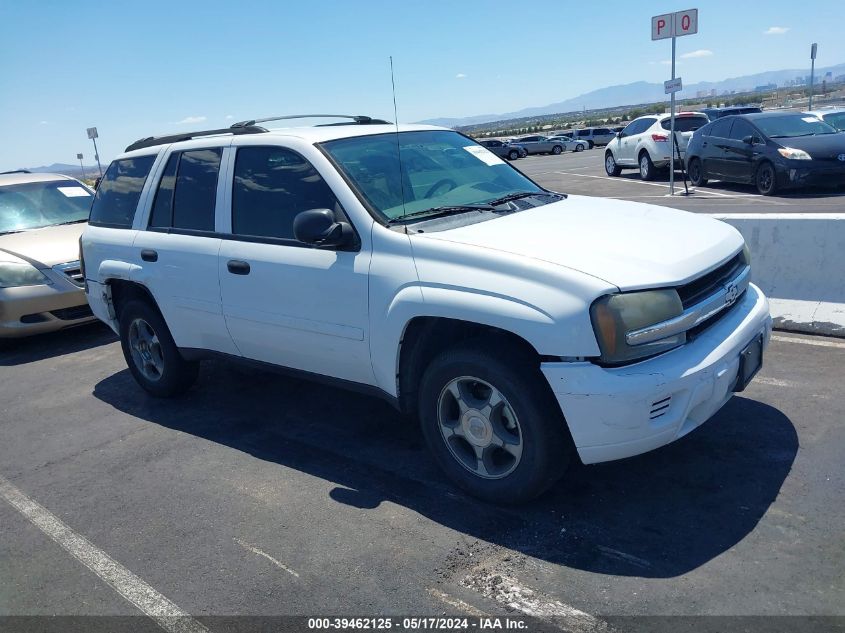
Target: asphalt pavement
582	173
261	495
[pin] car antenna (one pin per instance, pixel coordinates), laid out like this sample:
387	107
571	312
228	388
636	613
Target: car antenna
398	147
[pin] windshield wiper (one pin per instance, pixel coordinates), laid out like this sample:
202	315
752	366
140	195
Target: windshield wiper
520	194
70	222
439	212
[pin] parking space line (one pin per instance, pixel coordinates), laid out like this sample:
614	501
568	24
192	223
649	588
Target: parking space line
806	341
464	607
153	604
508	592
276	562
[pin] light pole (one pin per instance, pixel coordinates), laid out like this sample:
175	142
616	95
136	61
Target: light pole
92	134
81	166
813	50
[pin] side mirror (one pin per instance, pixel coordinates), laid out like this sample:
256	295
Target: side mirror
318	228
748	140
619	134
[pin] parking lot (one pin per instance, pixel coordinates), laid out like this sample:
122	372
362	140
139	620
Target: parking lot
582	173
263	495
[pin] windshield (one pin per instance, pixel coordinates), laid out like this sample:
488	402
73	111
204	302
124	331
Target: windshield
34	205
837	120
793	125
439	169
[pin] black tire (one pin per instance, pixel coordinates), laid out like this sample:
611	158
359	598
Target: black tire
610	165
176	375
647	169
557	149
766	179
591	144
546	446
695	171
578	148
513	154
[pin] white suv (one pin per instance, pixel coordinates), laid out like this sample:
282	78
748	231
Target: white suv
520	326
644	143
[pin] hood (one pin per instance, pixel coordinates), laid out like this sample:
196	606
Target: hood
627	244
44	247
824	146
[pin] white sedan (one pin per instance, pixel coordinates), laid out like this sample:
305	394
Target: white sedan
570	144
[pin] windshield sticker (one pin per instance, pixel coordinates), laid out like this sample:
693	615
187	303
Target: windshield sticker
484	155
73	192
809	119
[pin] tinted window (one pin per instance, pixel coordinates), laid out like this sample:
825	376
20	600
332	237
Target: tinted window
117	196
272	185
721	128
741	129
583	132
196	189
837	120
601	130
162	215
787	125
685	123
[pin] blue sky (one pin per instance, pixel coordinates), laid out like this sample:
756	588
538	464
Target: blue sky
142	68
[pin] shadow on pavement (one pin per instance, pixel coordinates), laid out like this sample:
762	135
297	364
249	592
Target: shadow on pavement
657	515
35	348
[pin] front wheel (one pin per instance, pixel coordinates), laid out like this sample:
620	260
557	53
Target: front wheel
610	165
513	154
579	148
151	354
766	179
492	424
695	171
557	149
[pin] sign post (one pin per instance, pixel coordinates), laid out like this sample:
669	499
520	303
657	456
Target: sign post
673	25
92	134
81	166
813	50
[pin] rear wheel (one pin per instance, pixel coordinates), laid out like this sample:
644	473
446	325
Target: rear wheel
151	354
695	171
557	149
591	144
492	424
513	154
766	179
647	169
610	165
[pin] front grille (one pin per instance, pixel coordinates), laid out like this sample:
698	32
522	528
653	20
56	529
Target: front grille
74	313
73	271
704	286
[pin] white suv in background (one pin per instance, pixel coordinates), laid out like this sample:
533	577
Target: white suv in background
521	327
645	144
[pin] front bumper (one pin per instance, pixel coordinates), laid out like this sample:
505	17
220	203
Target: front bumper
799	173
619	412
31	310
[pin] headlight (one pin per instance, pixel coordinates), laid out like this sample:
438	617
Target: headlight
746	255
794	154
14	274
614	316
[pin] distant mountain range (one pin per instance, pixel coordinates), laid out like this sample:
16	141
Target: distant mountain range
642	92
74	171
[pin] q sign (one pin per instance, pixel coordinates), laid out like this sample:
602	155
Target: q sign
686	22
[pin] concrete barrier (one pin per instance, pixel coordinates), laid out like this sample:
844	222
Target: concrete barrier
798	260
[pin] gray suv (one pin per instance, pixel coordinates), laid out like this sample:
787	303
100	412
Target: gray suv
594	136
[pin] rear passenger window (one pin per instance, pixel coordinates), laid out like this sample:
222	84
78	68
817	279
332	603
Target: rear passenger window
271	186
721	128
196	189
117	196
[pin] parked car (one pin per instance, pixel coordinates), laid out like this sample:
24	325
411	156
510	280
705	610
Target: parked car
41	219
521	327
570	144
595	136
771	150
645	144
539	145
503	149
834	117
718	113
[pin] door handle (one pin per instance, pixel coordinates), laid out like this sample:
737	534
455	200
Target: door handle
149	255
237	267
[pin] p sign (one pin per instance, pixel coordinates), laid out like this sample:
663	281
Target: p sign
662	26
686	22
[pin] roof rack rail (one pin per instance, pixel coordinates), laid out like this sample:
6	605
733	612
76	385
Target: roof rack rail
152	141
16	171
356	118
